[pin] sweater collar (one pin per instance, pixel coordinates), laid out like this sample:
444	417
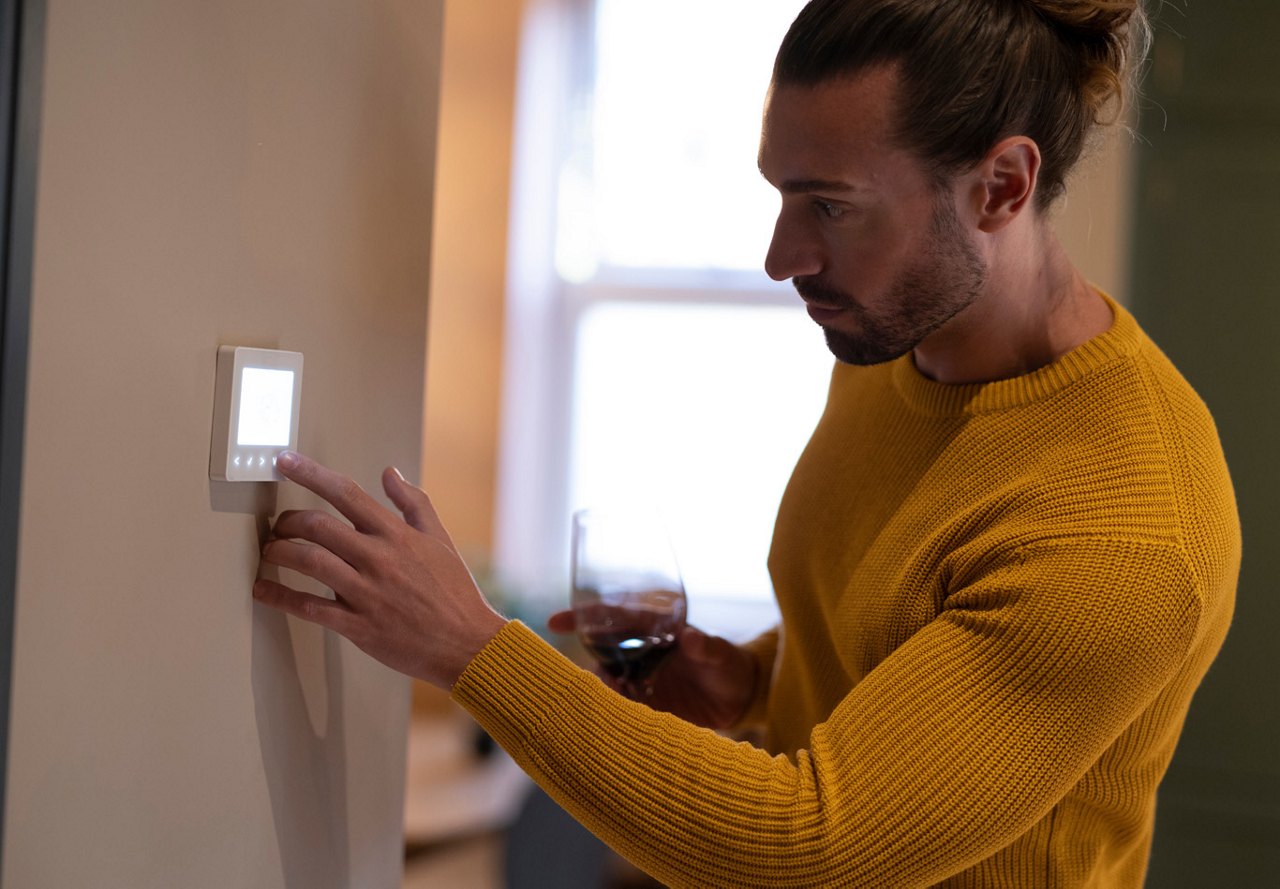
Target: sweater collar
1121	340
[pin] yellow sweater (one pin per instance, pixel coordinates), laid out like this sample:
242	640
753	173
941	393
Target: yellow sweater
997	601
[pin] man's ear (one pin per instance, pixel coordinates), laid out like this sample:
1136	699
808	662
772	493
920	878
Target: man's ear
1006	182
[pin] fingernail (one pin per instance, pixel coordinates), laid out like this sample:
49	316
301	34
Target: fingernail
287	459
399	474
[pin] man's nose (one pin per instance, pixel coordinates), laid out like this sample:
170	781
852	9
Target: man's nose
791	252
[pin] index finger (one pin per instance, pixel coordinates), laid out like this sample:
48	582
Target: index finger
341	492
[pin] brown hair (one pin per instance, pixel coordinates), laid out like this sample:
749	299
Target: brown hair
976	71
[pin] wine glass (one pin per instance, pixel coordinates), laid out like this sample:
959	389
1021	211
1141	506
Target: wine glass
628	597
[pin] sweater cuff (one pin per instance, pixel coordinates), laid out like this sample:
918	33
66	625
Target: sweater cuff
515	681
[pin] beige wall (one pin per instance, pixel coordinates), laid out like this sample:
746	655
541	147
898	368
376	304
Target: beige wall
469	265
468	279
1094	218
211	172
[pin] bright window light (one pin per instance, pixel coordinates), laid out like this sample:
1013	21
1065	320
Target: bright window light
675	128
701	412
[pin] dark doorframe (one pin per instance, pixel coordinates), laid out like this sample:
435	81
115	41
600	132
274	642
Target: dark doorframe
1206	274
21	65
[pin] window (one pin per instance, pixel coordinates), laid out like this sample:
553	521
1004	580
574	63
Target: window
664	172
650	358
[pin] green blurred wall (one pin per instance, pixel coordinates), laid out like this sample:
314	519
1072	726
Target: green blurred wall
1206	285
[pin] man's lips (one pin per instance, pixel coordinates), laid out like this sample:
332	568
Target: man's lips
823	303
822	313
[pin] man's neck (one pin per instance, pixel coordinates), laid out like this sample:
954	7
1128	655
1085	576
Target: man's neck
1035	309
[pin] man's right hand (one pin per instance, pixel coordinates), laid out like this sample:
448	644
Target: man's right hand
706	680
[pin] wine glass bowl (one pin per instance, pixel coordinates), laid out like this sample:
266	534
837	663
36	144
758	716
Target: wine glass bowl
628	596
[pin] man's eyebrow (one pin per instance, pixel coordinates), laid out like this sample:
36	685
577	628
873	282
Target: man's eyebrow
806	186
803	186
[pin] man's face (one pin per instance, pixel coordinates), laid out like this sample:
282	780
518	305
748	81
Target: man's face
872	245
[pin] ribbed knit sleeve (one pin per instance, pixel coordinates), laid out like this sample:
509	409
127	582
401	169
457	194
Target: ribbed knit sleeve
684	803
956	744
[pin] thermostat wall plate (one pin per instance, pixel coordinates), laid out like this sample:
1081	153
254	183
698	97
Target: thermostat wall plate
256	401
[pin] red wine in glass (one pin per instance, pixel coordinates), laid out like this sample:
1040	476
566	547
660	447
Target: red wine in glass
628	596
630	641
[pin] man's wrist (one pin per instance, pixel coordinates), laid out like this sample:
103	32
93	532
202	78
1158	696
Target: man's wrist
486	628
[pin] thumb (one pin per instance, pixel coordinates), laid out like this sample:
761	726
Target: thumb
413	502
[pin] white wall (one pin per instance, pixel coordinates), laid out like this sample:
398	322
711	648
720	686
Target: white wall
211	171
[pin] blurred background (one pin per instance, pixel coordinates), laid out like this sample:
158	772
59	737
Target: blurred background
601	329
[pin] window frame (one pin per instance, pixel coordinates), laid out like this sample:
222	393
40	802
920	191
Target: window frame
544	310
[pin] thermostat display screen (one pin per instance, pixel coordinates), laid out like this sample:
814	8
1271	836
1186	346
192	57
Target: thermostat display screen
266	407
256	398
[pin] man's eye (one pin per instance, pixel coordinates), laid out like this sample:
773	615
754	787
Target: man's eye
829	210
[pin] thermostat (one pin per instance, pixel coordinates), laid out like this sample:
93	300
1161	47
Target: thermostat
255	412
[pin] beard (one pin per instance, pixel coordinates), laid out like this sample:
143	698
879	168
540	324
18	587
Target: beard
931	291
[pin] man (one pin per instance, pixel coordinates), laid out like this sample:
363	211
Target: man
1004	562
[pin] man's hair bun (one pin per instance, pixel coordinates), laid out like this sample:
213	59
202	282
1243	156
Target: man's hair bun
1112	33
976	71
1089	16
